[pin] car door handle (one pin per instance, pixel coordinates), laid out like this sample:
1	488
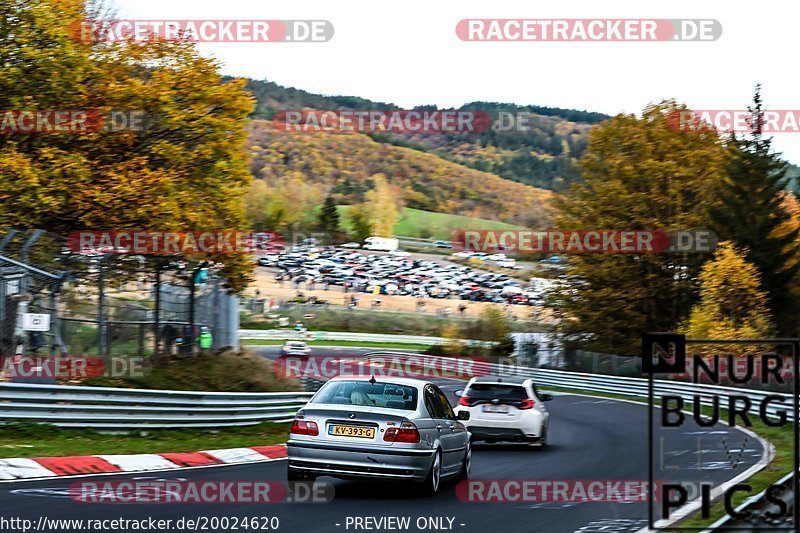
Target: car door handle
438	427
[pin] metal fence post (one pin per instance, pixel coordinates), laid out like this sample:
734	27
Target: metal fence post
192	290
101	310
157	316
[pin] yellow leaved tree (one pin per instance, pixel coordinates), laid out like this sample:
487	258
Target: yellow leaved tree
383	204
732	303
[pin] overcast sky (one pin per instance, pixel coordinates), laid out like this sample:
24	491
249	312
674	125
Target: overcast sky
407	52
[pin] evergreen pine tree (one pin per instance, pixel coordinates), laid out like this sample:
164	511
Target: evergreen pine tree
751	215
329	217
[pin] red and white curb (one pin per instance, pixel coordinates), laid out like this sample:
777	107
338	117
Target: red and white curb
49	467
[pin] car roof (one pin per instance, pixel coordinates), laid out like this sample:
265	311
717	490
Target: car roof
385	379
510	380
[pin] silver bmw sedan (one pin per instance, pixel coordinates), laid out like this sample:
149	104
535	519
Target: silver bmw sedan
392	428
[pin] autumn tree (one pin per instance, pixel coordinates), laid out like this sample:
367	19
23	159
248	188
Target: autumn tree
492	325
257	201
360	222
453	346
732	303
383	205
182	169
638	173
285	204
752	213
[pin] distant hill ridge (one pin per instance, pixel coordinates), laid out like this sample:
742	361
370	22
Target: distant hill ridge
543	156
343	165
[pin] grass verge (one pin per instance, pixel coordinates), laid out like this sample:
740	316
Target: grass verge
383	321
225	372
417	223
42	440
349	344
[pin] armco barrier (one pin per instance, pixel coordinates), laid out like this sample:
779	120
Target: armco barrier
124	409
626	386
130	409
290	334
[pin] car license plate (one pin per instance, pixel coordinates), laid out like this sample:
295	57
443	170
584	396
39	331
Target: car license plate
495	409
352	431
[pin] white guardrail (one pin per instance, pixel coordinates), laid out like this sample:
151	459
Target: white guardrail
290	334
125	409
637	387
128	409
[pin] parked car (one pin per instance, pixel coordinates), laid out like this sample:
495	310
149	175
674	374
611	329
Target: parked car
385	244
407	423
296	348
351	245
396	273
505	409
464	254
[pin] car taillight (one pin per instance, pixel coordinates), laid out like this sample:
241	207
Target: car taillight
304	427
526	404
407	432
464	400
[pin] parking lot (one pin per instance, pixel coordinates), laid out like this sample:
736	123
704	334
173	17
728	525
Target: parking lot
395	274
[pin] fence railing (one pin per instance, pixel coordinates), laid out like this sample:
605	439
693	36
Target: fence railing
290	334
626	386
132	409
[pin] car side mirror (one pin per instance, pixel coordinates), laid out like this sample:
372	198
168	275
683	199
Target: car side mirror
462	415
545	397
458	393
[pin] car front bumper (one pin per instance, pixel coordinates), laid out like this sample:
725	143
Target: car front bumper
343	462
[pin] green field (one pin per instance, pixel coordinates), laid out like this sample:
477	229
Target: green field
353	344
428	225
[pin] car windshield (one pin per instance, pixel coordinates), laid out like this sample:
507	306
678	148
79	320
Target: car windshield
377	394
492	391
296	344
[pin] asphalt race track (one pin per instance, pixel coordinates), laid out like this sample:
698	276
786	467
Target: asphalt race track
590	439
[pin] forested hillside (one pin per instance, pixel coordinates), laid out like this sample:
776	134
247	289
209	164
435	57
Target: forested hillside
342	165
542	154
